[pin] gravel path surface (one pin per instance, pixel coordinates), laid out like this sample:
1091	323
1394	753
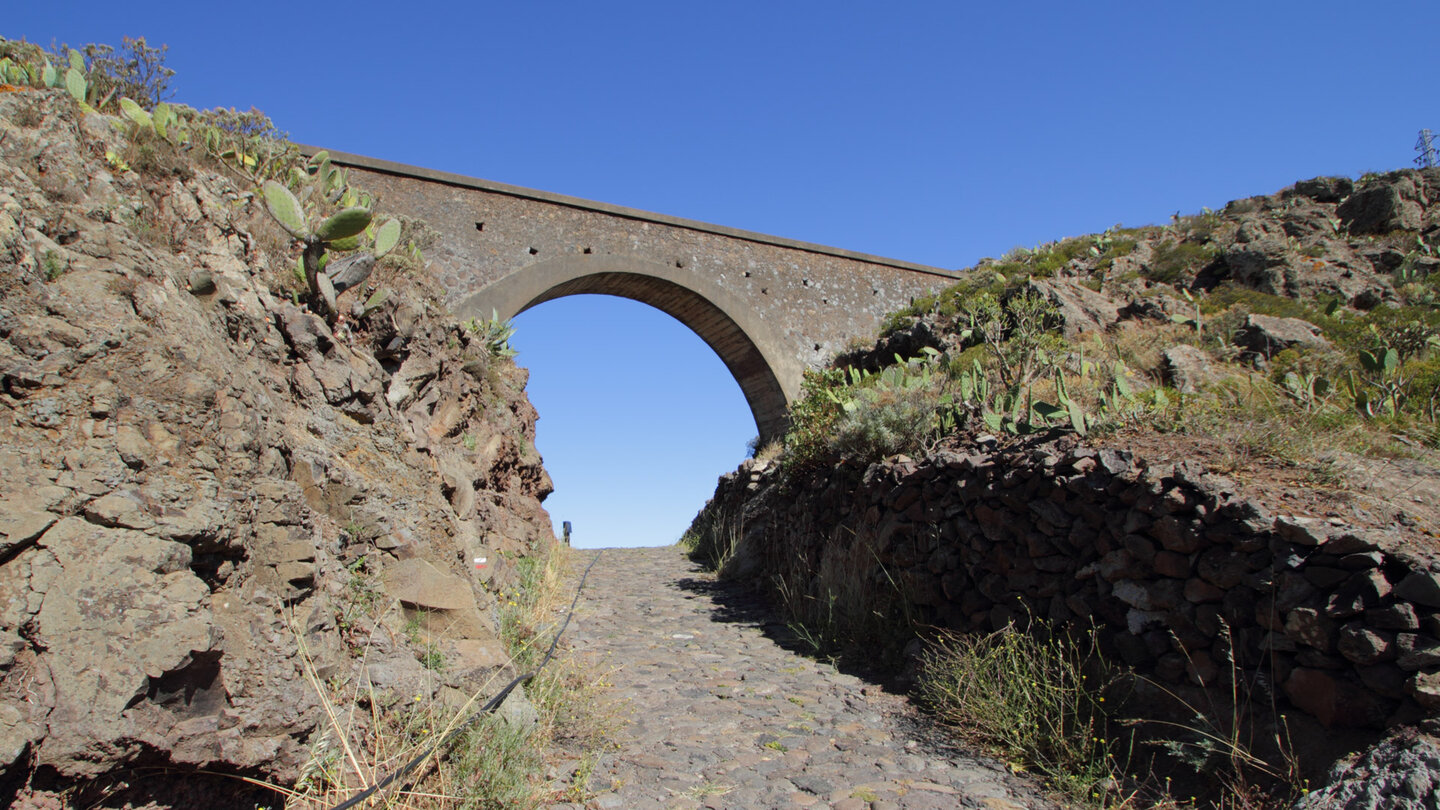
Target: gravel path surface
720	715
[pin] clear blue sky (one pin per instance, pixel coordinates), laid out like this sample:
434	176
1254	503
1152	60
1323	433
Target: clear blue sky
936	132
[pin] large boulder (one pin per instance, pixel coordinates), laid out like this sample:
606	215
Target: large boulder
444	603
1259	257
1321	189
1267	336
1189	369
1382	206
1081	308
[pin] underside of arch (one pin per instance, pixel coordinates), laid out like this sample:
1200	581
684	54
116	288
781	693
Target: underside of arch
767	374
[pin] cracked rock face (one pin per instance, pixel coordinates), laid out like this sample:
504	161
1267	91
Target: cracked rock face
121	611
198	478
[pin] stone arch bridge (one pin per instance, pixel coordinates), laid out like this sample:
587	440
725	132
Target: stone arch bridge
769	307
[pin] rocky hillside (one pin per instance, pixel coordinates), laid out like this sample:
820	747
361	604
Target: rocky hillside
1291	339
1211	448
1319	241
211	500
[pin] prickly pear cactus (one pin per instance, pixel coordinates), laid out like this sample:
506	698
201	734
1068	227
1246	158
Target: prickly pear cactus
321	185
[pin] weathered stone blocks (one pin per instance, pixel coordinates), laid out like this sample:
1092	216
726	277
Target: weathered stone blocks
1179	571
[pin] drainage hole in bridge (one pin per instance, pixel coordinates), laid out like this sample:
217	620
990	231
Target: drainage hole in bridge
479	226
533	251
586	251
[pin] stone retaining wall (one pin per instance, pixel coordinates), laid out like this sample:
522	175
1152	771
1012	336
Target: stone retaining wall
1173	566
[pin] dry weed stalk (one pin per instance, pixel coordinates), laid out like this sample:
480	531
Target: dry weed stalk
367	734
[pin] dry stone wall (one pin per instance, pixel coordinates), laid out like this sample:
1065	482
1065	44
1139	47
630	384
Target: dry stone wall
1181	573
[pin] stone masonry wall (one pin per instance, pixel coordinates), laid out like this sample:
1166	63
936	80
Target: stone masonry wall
1163	558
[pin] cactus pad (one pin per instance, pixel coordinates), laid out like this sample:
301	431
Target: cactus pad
349	222
345	244
327	292
135	112
387	237
75	83
162	117
286	209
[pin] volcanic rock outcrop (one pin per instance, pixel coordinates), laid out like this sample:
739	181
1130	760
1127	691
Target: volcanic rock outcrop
210	499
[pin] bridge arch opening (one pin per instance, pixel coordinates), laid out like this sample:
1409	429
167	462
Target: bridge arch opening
747	345
638	417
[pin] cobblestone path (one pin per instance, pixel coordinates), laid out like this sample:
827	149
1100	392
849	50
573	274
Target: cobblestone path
720	715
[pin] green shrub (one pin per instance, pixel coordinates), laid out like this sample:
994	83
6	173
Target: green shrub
1006	270
1228	295
1020	333
864	417
885	420
1203	227
1046	261
1245	206
1421	293
1407	328
1175	261
901	319
23	52
53	266
1356	366
1118	248
812	419
1423	393
502	764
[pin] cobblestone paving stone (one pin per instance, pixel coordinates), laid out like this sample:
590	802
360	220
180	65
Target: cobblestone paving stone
722	716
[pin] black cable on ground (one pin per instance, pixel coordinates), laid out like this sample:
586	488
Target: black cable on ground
489	707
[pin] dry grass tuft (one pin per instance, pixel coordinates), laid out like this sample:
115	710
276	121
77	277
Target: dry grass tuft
494	762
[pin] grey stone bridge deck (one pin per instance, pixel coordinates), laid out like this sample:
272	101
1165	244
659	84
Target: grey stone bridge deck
769	307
